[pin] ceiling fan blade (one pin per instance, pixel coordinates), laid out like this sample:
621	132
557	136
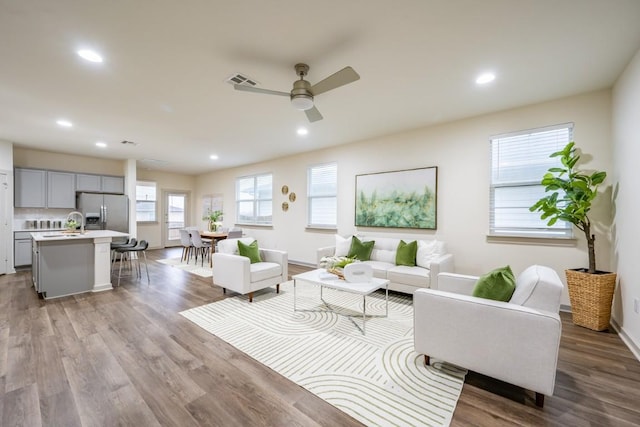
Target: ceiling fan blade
345	76
258	90
313	115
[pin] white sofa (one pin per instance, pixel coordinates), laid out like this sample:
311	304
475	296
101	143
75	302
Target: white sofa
515	341
235	272
432	259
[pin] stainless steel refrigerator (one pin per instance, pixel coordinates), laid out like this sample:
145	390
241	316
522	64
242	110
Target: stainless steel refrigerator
104	211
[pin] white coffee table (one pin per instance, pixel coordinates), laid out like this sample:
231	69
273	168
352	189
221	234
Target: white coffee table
363	288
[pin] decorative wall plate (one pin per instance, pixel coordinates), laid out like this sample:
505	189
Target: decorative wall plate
285	189
285	206
292	197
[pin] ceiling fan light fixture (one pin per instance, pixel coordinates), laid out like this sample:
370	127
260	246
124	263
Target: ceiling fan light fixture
302	101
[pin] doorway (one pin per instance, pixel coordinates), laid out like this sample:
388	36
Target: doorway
176	213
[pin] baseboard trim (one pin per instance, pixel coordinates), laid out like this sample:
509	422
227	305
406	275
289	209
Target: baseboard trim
565	308
626	339
302	263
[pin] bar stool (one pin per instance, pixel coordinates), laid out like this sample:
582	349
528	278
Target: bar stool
124	251
114	245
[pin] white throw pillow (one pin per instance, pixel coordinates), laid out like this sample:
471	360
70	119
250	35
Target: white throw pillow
342	245
230	246
428	250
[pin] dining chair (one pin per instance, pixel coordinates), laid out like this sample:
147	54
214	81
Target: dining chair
234	233
185	240
203	247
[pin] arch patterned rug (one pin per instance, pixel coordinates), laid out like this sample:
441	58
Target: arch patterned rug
376	378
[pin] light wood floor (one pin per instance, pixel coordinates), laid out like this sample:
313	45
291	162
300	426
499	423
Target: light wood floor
126	357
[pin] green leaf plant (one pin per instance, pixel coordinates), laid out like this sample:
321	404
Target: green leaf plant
572	193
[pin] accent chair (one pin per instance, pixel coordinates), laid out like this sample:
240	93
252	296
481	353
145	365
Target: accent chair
235	272
515	341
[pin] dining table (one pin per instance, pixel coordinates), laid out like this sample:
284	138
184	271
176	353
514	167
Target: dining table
214	236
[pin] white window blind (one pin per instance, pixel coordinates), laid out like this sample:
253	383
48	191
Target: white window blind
254	199
322	181
146	201
519	160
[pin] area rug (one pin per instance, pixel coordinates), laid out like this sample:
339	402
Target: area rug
376	378
191	267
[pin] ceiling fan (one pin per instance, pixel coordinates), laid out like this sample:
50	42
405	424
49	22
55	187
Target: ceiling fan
303	92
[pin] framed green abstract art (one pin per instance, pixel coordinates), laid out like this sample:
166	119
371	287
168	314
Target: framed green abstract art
397	199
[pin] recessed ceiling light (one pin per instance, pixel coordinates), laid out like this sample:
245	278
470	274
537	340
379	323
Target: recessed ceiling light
213	157
485	78
90	55
101	144
302	131
64	123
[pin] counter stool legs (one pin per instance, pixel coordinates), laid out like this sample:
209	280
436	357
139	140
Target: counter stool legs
139	248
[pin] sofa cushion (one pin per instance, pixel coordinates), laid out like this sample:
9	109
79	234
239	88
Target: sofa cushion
414	276
380	268
383	255
342	245
428	250
497	284
360	250
406	253
251	251
264	270
230	246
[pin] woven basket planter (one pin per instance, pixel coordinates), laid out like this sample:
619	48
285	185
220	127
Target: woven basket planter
591	296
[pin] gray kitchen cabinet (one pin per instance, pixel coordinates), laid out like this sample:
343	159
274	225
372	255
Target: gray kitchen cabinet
22	249
99	183
61	190
88	182
113	184
62	267
30	188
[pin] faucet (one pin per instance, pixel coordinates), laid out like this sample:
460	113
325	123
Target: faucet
74	214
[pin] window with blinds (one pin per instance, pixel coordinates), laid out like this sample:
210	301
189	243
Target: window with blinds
254	199
146	201
322	181
519	160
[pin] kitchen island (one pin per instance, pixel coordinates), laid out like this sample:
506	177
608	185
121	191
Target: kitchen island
67	264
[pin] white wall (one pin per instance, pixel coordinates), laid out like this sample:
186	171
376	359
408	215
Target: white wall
460	150
6	156
626	200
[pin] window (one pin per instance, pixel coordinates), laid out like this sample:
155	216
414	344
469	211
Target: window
518	162
254	199
146	201
322	193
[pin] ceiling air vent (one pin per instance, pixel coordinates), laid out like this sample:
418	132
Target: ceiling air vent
241	79
125	142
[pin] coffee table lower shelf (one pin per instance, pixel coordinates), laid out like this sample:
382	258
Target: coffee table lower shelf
365	288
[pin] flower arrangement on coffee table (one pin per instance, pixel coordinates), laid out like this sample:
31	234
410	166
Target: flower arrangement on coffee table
336	264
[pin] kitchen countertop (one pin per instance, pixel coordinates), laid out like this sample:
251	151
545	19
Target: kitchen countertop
35	230
48	236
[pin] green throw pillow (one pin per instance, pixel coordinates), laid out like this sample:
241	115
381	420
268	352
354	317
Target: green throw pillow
360	250
497	284
406	253
250	251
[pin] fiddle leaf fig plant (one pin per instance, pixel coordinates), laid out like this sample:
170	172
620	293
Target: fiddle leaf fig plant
572	193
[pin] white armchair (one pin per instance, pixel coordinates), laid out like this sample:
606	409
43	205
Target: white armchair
235	272
515	341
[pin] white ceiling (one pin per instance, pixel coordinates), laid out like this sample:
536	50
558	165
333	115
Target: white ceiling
162	84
